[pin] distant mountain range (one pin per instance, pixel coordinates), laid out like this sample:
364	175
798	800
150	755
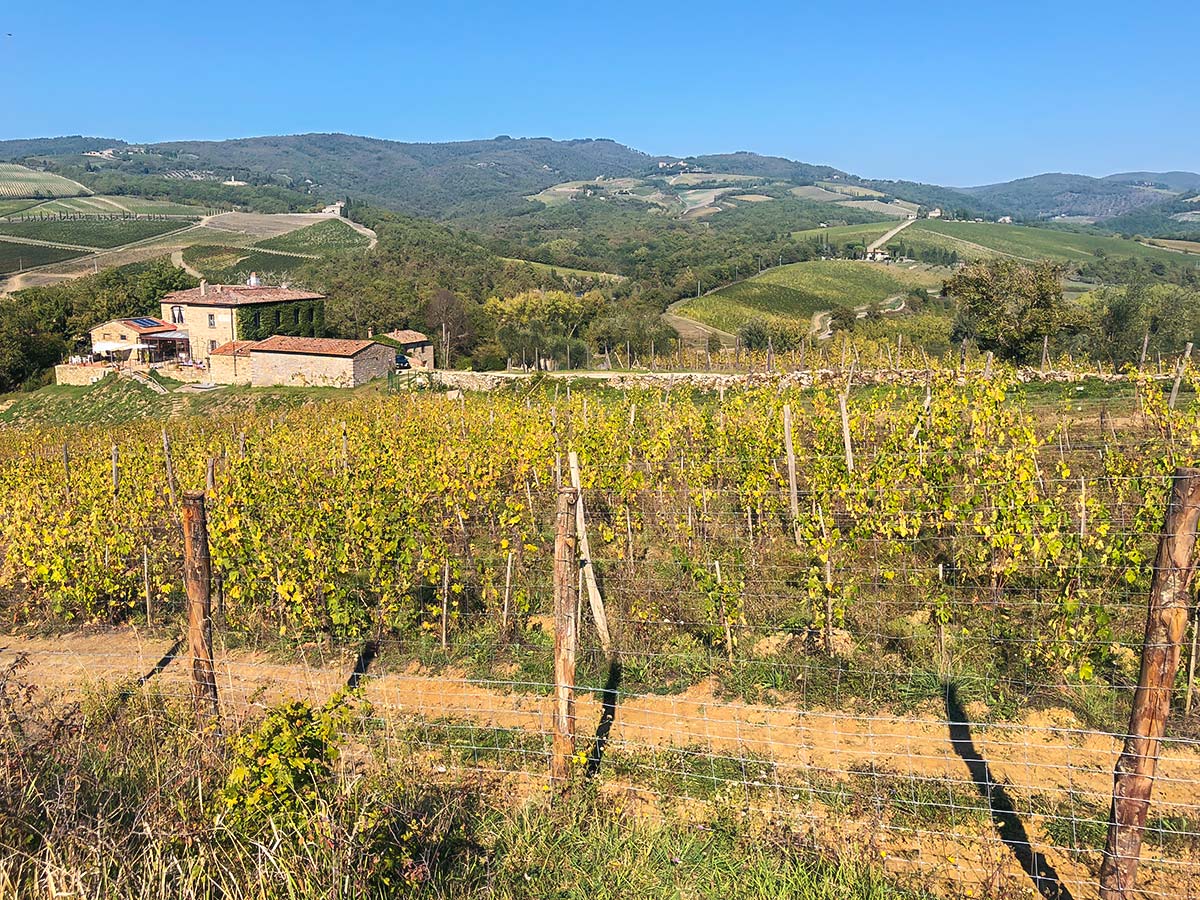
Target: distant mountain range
471	178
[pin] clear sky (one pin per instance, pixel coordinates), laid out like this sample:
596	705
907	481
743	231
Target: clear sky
954	93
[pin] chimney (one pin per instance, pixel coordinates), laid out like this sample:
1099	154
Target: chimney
203	287
253	280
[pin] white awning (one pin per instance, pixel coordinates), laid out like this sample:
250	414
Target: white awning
108	346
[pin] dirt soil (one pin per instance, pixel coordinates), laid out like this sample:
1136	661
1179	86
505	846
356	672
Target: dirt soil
1047	755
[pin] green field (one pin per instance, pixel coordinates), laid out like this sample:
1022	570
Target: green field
114	205
100	233
15	257
233	265
794	293
9	207
983	239
330	236
846	234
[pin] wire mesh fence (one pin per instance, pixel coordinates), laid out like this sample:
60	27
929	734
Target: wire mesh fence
935	670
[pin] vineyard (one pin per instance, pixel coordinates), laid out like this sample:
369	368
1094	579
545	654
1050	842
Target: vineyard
92	231
19	182
901	618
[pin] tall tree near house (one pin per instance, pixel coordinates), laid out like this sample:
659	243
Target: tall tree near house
446	315
1008	307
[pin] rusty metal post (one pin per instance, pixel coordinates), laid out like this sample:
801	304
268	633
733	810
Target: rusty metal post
1166	623
566	634
197	579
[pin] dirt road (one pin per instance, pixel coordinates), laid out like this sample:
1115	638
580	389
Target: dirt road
1045	762
882	241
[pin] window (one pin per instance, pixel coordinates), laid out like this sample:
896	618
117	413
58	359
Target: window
106	336
121	337
176	315
212	345
212	321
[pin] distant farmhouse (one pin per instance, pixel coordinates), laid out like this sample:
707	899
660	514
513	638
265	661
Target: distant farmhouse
241	334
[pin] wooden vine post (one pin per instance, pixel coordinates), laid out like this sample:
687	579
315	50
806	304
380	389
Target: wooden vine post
595	600
793	494
1166	623
197	579
566	635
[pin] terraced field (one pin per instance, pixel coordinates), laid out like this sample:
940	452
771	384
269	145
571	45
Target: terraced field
331	235
113	204
794	293
16	257
19	181
878	207
565	271
98	233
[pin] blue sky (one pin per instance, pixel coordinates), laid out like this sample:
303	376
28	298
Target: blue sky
954	93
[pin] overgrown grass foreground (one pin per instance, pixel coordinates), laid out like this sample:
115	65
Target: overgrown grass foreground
122	797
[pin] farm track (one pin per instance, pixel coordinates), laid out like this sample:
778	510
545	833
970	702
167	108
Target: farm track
1045	753
887	236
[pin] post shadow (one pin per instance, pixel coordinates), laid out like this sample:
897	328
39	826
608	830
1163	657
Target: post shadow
365	657
608	714
1004	814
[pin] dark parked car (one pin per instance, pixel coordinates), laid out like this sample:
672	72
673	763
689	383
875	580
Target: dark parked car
402	362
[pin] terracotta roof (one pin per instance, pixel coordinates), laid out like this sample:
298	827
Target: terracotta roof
238	295
235	348
280	343
407	336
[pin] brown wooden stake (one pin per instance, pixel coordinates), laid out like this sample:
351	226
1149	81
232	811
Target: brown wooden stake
1166	623
197	579
595	601
1145	347
987	367
116	470
793	494
170	469
566	635
66	454
210	475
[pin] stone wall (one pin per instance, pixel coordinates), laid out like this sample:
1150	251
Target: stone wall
80	375
300	370
224	370
374	362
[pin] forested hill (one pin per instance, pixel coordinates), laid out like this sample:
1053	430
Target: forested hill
443	180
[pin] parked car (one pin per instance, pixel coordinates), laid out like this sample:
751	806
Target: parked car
402	362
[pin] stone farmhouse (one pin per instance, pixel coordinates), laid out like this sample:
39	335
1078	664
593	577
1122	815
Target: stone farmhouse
241	334
214	315
300	362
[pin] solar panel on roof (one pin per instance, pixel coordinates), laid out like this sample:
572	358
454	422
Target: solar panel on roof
145	322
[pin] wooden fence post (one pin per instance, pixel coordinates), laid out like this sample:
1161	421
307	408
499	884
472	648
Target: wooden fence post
66	456
197	579
595	601
1166	623
793	495
146	584
116	469
566	635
